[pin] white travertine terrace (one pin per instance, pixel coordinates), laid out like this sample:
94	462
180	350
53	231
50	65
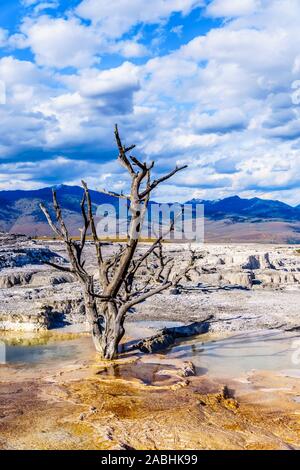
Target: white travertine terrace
257	285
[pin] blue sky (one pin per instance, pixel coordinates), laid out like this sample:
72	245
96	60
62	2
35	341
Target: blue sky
211	83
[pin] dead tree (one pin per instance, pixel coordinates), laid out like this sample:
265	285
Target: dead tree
120	286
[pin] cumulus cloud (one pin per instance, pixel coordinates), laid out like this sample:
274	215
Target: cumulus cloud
219	122
95	101
224	102
69	41
128	49
116	17
110	91
75	112
59	42
235	87
26	85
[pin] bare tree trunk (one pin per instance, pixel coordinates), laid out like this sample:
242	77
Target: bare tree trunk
95	321
106	332
113	331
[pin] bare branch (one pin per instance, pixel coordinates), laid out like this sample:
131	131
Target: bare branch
189	267
138	263
92	223
113	194
113	260
167	282
86	224
128	149
155	183
72	249
141	298
141	165
59	267
104	298
138	210
50	221
59	217
163	261
122	153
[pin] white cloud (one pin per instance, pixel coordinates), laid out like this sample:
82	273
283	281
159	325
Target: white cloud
227	95
46	6
14	71
222	121
26	86
40	5
116	17
232	8
68	41
129	49
117	81
59	42
46	110
86	114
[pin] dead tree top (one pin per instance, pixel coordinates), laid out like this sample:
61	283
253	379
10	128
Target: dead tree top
119	279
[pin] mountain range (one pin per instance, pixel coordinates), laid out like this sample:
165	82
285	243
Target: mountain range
231	219
239	209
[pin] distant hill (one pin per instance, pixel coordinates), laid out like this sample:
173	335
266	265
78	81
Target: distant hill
238	209
230	219
20	211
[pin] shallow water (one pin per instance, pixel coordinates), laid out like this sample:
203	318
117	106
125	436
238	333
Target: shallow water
31	349
49	353
241	353
231	356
